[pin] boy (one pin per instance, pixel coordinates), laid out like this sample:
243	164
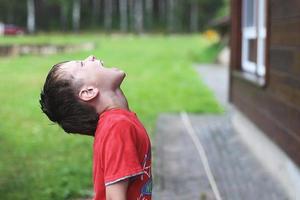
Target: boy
85	97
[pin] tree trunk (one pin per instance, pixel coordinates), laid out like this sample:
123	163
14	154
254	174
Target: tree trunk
63	16
96	11
131	14
76	15
30	16
194	17
171	16
108	11
149	13
10	14
138	16
123	15
162	11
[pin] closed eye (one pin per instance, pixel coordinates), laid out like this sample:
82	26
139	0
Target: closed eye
81	63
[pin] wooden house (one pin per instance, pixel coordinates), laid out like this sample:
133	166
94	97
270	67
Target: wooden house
265	69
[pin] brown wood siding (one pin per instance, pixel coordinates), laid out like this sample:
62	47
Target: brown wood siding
284	9
275	108
235	41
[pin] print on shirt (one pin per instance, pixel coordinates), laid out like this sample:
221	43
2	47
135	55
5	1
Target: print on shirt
146	189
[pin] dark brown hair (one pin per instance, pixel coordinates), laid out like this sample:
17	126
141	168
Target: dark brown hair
60	103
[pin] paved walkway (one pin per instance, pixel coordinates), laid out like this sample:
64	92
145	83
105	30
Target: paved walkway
178	168
216	77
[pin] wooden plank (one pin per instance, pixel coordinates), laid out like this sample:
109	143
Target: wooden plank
284	59
278	109
271	129
296	66
268	42
285	32
250	102
286	88
282	9
235	40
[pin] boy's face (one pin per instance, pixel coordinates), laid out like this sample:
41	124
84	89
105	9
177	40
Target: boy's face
91	72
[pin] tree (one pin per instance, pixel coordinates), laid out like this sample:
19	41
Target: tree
76	15
194	15
128	15
123	5
30	16
171	16
138	16
162	11
149	13
131	14
64	9
7	11
96	11
108	11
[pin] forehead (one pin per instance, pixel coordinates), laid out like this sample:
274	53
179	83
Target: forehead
69	67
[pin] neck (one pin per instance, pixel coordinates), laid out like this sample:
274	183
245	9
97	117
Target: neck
112	99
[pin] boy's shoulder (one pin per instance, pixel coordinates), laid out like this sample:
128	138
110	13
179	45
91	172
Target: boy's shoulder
117	116
114	120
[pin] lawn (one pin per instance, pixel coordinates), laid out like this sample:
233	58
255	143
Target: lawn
38	160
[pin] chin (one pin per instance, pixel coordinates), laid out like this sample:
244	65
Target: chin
123	77
120	78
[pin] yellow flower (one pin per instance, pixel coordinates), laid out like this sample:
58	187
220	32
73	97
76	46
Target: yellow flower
211	35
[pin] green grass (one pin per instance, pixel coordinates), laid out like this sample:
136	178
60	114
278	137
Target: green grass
38	160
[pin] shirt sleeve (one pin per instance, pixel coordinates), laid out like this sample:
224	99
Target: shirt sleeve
120	158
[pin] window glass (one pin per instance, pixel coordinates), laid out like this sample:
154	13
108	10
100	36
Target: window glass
252	50
253	36
249	11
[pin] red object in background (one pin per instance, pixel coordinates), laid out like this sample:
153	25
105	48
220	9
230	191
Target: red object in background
11	29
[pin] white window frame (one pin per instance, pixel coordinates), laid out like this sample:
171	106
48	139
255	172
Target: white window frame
256	31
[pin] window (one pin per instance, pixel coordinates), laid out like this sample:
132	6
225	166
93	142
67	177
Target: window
254	36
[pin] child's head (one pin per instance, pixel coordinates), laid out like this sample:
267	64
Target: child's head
72	92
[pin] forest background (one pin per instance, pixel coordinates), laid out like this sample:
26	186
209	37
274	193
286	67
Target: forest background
136	16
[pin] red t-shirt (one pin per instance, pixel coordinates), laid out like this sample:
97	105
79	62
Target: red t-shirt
122	150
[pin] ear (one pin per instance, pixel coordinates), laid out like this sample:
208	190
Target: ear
88	93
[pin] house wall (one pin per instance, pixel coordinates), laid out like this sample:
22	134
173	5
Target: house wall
274	107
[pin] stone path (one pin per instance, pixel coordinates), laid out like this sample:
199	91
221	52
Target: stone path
216	77
178	170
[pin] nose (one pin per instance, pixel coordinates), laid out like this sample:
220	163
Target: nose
102	63
90	58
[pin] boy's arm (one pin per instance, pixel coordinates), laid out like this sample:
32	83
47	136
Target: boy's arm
117	191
